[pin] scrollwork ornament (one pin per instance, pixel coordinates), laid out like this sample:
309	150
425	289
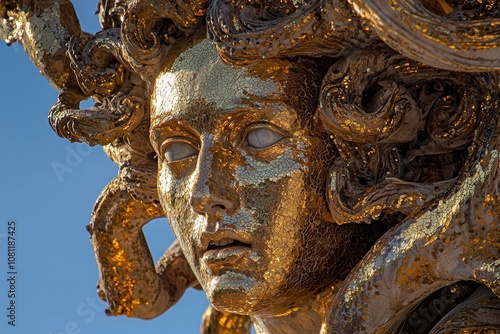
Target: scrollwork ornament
101	71
248	31
151	26
377	105
386	270
437	33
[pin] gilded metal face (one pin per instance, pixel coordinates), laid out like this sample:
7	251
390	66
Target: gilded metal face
242	177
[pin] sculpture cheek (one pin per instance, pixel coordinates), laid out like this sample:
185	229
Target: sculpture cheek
174	197
255	172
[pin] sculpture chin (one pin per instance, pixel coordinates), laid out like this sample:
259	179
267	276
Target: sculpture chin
234	292
238	293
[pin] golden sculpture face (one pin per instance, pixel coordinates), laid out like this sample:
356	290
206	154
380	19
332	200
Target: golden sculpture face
241	179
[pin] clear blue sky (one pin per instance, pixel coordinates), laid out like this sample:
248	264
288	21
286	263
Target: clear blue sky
56	267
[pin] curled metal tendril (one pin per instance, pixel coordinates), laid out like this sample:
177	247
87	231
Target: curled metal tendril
451	129
247	31
461	245
111	12
391	115
389	196
435	36
107	121
98	64
386	114
151	26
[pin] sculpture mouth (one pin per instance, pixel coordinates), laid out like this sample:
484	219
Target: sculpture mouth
232	255
226	243
225	248
223	239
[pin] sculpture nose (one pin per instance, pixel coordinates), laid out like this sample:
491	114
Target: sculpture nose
210	192
209	204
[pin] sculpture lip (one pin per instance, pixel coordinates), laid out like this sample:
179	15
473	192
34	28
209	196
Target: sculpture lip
212	240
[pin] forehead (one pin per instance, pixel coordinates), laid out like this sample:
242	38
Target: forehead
198	79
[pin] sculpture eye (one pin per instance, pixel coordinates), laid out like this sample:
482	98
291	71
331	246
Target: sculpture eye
178	151
262	138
